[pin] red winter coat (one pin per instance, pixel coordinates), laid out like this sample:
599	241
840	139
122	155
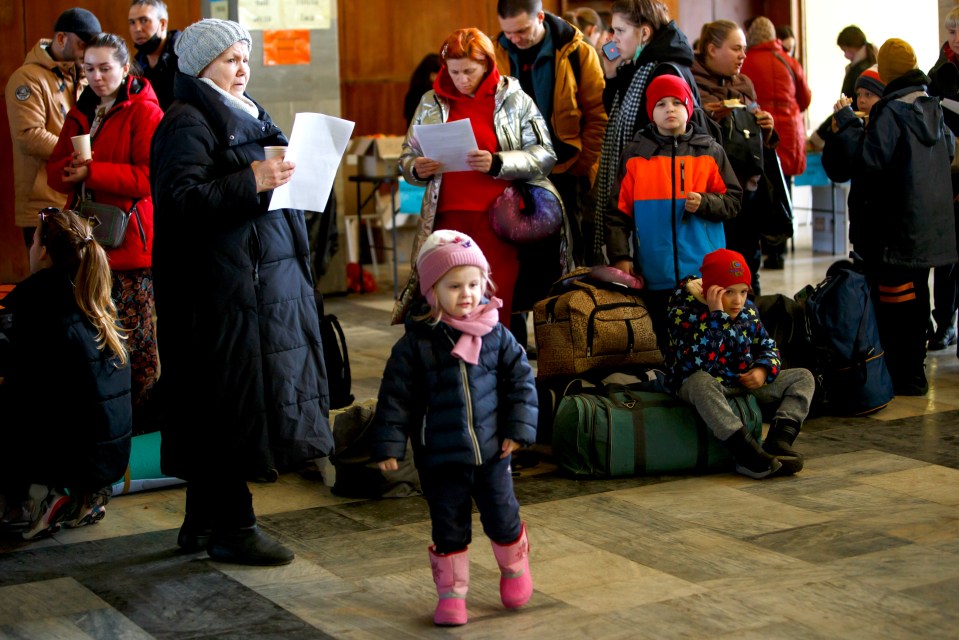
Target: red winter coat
120	171
781	90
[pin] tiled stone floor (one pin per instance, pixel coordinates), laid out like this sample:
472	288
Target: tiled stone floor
864	543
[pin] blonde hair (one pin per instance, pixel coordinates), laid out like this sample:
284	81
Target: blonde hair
70	244
952	18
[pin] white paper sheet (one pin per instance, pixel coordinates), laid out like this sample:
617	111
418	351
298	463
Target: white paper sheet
317	144
447	143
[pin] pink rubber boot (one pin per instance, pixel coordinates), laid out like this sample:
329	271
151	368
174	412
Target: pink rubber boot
451	573
515	583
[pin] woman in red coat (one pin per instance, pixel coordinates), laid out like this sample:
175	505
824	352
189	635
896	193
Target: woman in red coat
782	90
120	112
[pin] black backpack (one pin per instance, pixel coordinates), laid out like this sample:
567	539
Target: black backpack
849	359
335	356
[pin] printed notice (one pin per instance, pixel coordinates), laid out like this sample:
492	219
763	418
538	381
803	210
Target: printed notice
306	14
257	15
447	143
317	144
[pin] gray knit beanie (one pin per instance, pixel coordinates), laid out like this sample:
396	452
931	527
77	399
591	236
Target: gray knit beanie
201	43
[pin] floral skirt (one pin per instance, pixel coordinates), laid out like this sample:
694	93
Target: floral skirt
133	296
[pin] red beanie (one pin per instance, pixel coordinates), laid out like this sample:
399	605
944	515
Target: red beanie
724	268
668	86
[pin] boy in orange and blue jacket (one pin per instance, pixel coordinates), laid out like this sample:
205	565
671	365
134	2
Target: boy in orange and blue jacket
675	190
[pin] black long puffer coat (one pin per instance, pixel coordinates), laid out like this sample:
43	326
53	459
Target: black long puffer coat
243	384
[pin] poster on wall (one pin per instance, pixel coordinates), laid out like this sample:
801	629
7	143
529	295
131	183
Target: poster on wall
306	14
220	9
259	15
286	46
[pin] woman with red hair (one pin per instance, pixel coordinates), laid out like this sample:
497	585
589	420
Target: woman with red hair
512	141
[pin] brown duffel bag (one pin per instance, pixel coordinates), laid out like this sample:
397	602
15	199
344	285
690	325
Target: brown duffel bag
593	326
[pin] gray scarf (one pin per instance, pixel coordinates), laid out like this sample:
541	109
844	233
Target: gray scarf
619	133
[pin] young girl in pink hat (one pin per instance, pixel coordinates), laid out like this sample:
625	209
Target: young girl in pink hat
458	385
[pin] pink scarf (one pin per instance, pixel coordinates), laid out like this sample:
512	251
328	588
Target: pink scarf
474	326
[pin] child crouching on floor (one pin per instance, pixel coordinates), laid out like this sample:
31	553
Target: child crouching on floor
719	347
460	387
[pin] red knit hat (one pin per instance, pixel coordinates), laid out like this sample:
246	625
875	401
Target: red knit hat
668	86
724	268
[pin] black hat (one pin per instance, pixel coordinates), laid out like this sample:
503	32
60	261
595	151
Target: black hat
79	21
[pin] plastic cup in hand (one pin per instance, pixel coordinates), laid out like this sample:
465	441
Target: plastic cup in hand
274	152
81	144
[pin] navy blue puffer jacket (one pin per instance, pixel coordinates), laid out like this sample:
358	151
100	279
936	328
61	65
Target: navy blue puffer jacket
453	412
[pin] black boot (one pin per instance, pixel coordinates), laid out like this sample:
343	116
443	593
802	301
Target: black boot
249	546
779	442
193	536
751	460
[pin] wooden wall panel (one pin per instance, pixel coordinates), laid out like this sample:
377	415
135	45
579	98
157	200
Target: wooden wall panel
13	255
378	56
22	24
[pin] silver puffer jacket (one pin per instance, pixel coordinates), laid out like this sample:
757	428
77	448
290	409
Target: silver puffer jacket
525	148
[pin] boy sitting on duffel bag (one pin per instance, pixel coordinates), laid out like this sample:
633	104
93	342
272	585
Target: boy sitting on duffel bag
718	347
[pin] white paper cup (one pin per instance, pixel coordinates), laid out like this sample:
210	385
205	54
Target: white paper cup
81	144
273	152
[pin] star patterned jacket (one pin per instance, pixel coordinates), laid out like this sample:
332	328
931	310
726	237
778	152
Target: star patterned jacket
712	341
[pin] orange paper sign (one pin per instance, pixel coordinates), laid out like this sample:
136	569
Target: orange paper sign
286	46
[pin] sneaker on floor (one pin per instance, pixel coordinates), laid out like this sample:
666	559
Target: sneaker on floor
87	515
49	511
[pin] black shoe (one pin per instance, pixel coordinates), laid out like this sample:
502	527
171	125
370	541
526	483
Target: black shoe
782	434
944	338
917	386
774	262
752	461
249	546
193	537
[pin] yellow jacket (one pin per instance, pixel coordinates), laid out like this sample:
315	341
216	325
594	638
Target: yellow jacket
39	95
578	117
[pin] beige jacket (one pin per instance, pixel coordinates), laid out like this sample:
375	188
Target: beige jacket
39	95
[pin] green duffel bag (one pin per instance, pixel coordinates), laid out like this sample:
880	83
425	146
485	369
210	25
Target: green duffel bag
617	431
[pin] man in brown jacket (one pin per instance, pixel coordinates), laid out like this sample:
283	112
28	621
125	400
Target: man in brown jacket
560	70
39	95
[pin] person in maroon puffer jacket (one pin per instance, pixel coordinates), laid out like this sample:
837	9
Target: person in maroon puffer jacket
782	90
120	111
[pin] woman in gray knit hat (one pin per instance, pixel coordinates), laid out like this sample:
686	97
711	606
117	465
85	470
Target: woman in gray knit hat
244	389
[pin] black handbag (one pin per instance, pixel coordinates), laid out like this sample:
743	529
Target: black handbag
776	221
109	222
743	142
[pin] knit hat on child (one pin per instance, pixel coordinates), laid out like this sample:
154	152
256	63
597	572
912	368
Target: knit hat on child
443	250
870	81
896	57
668	86
724	268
